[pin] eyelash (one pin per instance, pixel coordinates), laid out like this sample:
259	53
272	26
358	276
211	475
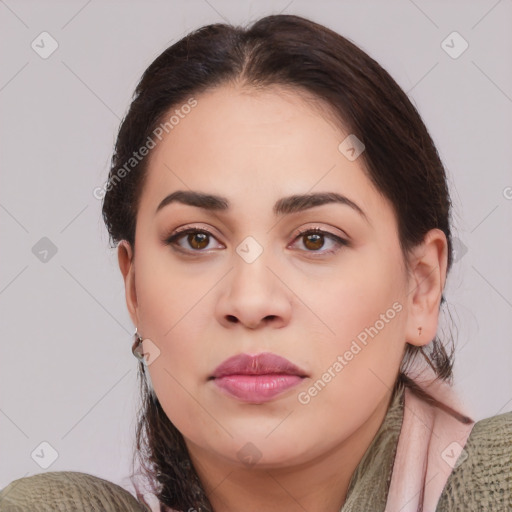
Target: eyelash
341	242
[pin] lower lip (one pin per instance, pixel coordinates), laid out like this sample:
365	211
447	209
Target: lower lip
256	388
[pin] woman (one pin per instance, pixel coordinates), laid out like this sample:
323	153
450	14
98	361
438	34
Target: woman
282	220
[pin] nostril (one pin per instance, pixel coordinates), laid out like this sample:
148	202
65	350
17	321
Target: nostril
233	319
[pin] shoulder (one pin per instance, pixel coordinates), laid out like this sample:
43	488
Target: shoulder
482	476
67	490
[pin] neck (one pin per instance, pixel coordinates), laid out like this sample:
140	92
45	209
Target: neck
318	485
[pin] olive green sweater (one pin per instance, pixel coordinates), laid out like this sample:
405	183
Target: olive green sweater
482	482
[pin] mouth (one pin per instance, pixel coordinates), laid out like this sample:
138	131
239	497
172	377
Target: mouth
256	379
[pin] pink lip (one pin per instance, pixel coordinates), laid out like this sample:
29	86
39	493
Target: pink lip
257	378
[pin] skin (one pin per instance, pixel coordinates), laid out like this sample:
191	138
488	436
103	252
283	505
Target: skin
295	300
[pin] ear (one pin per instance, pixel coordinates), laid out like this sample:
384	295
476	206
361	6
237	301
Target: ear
428	263
126	264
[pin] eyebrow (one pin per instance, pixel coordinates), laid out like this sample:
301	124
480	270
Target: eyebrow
285	205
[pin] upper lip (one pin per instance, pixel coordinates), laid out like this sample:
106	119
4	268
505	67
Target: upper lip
259	364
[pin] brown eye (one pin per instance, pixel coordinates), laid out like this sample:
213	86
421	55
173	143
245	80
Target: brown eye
193	240
313	241
198	240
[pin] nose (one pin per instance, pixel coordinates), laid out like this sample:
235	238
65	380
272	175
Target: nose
254	296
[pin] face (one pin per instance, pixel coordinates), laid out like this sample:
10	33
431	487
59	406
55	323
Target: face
321	284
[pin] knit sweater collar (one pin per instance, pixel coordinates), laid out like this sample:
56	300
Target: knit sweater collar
369	485
412	456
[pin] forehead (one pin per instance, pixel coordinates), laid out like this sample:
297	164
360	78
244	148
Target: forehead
250	145
272	117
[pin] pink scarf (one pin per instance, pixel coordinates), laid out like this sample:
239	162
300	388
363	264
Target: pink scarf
430	442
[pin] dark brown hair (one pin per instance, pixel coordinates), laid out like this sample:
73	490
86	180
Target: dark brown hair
399	158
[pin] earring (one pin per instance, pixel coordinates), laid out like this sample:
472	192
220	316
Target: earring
139	354
137	346
419	331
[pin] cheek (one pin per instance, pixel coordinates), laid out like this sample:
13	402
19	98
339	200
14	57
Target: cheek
180	370
365	325
172	315
168	307
357	366
168	292
359	297
179	394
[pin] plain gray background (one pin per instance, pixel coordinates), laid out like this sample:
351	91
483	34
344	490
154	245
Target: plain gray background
68	377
